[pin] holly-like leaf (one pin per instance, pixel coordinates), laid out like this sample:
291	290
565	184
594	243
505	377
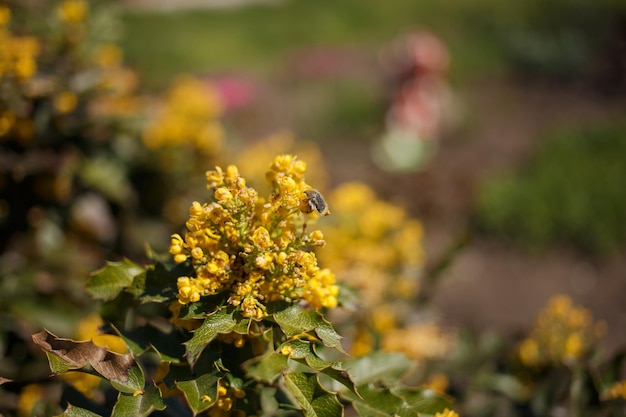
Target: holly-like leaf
142	404
304	353
295	320
157	285
378	367
201	393
424	401
266	368
133	383
73	411
107	283
378	401
312	398
374	401
77	355
222	321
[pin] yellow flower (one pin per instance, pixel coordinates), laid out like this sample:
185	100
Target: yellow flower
563	333
223	196
286	350
65	102
262	239
447	413
187	117
7	120
529	352
28	398
72	11
5	16
617	390
419	341
108	55
437	382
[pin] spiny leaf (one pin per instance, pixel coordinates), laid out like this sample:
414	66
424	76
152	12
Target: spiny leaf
73	411
222	321
140	404
157	284
314	401
424	401
304	352
377	401
266	368
77	355
134	382
295	320
378	367
106	283
201	393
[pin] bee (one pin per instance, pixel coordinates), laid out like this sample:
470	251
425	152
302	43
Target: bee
314	202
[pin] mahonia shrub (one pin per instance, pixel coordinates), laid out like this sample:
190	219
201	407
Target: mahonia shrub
232	320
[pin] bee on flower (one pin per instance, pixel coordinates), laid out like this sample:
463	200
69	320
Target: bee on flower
254	248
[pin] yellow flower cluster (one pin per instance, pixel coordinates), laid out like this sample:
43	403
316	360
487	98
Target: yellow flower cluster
226	398
361	223
18	54
73	11
256	249
447	413
189	116
563	333
254	154
420	341
617	390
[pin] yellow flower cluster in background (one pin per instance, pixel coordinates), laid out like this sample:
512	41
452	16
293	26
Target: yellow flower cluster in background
73	11
254	154
563	333
18	54
89	329
420	341
189	116
373	245
257	249
617	390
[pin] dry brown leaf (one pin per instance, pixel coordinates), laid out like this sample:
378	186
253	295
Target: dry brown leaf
78	354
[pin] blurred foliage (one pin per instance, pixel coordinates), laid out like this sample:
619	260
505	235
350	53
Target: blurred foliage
571	193
93	166
74	167
260	37
570	40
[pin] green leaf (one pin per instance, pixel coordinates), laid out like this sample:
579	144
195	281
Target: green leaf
106	283
304	352
158	285
378	367
423	401
134	383
374	401
295	320
222	321
201	393
377	401
203	308
73	411
266	368
138	405
57	364
312	398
